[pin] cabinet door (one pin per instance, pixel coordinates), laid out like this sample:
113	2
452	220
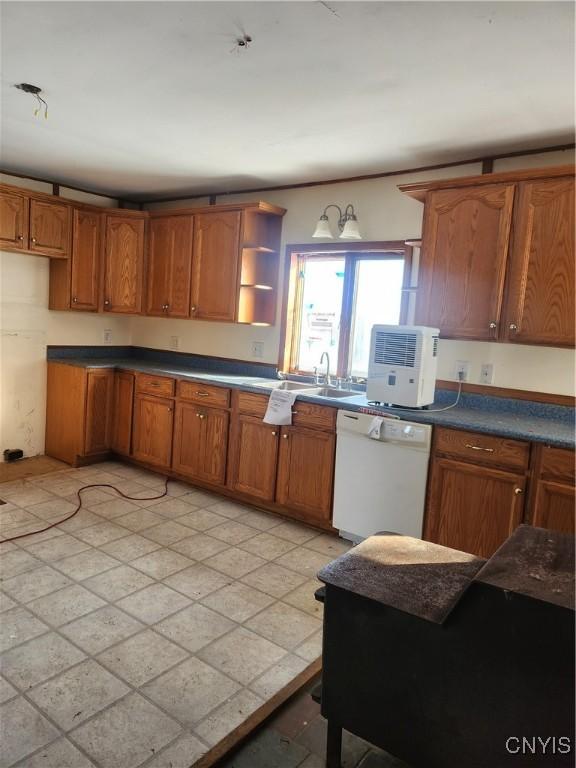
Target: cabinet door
99	399
152	430
85	267
306	471
215	265
200	442
13	221
463	260
472	508
50	228
253	457
122	410
540	301
123	264
554	506
169	266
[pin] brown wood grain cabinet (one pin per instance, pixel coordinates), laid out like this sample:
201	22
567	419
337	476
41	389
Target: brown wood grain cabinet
497	259
215	266
540	307
99	401
463	261
78	412
170	241
476	490
253	458
124	262
50	227
152	430
123	405
306	472
75	282
13	220
553	497
200	442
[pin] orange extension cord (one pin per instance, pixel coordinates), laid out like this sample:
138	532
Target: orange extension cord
79	506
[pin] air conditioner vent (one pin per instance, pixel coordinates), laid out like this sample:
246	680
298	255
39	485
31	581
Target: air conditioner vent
395	349
435	347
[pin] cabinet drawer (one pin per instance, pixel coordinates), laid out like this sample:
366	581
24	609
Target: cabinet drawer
482	449
557	464
201	393
303	414
254	405
315	416
155	385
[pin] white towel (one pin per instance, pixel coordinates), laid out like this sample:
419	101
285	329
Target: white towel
279	409
375	428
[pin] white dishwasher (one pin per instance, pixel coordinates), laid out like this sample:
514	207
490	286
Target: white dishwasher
380	480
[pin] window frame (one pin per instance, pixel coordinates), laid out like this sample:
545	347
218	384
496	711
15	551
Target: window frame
353	253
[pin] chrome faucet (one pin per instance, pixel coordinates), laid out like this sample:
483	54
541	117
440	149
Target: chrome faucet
327	378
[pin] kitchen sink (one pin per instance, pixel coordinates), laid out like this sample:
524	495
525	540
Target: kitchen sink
330	392
285	385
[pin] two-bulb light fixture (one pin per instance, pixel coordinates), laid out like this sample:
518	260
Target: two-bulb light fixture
347	224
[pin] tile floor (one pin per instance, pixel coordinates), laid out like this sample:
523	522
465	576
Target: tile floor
140	633
295	737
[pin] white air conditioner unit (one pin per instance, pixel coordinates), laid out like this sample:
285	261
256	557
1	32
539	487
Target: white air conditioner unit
403	363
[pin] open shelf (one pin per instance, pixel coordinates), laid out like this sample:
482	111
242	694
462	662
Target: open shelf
259	268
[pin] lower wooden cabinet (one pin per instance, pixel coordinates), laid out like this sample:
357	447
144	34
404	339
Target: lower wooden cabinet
553	497
99	399
200	442
253	458
471	507
152	430
306	472
78	412
122	413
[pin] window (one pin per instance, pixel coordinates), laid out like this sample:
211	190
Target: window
334	297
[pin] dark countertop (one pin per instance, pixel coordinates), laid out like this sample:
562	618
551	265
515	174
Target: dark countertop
504	417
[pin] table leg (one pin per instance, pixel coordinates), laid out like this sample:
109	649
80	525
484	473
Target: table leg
334	745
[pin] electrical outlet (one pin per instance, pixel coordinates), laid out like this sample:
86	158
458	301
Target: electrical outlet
174	342
487	373
257	349
461	370
107	336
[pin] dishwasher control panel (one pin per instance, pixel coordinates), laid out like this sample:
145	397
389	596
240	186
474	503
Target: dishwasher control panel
408	433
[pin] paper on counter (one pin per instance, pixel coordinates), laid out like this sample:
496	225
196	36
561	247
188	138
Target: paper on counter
375	428
279	409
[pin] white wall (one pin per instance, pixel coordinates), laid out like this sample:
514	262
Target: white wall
26	325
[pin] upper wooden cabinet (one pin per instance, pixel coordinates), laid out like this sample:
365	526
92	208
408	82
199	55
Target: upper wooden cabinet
75	282
461	281
497	259
216	265
34	223
50	227
540	307
124	262
169	266
13	221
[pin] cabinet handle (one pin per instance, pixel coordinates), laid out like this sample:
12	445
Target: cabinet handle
170	410
202	415
106	302
513	327
192	309
202	394
518	491
274	434
493	326
74	300
285	437
479	448
20	237
33	239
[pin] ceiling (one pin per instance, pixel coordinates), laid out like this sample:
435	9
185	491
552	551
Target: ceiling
148	99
